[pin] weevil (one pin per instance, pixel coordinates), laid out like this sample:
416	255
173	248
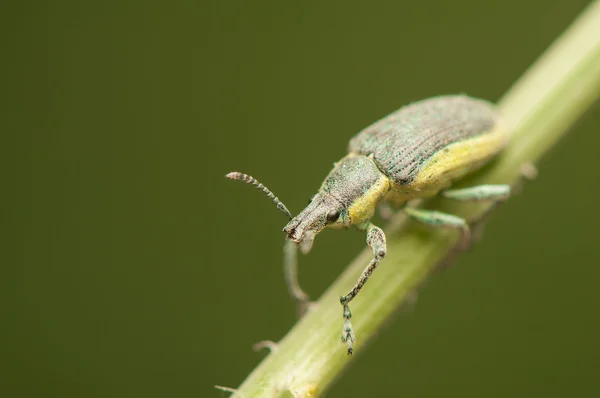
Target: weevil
415	152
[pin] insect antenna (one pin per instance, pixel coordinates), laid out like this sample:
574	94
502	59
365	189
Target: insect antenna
234	175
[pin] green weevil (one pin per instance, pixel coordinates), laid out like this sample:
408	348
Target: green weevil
415	152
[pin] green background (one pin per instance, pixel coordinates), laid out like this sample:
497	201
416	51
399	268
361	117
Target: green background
131	267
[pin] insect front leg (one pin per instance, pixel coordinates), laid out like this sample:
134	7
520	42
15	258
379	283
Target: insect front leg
290	272
376	241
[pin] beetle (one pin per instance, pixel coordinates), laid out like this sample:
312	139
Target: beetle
415	152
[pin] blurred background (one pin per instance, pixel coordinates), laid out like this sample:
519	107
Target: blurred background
132	267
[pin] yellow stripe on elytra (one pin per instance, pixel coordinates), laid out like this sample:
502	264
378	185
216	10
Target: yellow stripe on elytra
451	163
362	209
458	159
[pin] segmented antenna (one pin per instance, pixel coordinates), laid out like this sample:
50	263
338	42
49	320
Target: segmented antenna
251	180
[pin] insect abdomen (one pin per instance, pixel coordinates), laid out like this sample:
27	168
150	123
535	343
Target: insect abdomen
445	137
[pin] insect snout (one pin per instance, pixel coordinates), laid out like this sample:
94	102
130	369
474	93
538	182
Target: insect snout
298	233
295	230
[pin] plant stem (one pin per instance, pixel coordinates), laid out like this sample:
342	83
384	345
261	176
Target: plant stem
540	107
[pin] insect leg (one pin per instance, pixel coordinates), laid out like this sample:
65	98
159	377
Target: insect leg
290	272
376	241
479	193
442	220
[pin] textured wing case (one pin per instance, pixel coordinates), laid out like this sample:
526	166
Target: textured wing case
402	142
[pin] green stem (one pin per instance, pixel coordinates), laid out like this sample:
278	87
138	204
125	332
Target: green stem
541	107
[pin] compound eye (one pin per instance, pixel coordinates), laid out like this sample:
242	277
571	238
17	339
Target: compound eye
332	216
